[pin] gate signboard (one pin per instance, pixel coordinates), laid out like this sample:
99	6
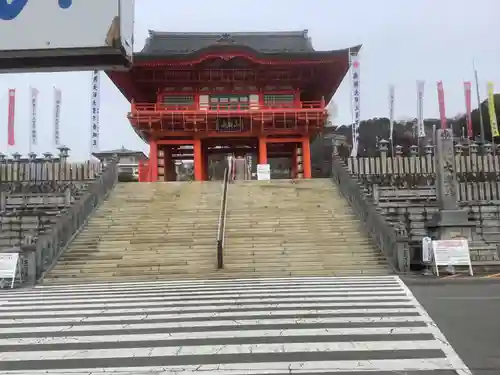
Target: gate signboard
263	172
65	34
451	253
8	267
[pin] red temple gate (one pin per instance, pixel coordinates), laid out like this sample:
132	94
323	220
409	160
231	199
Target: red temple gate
194	95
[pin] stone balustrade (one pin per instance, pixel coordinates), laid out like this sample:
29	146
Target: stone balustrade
443	191
48	168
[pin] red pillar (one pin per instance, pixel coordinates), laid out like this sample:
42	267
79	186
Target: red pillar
167	162
198	160
262	150
153	161
295	164
306	157
143	171
204	155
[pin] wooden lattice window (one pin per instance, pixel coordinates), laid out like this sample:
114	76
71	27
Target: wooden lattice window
229	102
272	99
178	100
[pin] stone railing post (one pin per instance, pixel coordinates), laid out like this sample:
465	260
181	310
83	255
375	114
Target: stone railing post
497	150
473	149
398	150
63	158
450	221
3	167
488	148
383	149
429	155
413	151
17	170
32	166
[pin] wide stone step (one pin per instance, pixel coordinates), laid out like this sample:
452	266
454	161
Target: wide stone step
278	251
295	223
209	225
297	209
224	274
154	271
123	235
155	220
142	248
126	258
99	265
165	252
209	273
243	268
164	267
298	234
134	237
303	263
292	241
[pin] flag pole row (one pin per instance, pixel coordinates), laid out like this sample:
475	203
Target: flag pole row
354	80
95	102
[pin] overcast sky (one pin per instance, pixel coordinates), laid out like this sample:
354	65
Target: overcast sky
403	41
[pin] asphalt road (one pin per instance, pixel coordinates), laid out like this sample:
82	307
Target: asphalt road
467	311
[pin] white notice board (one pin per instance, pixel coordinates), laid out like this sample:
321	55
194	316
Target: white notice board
451	253
263	171
8	266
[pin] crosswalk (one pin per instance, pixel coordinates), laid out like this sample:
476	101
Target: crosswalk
362	325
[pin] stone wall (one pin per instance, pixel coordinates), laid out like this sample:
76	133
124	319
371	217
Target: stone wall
413	191
37	192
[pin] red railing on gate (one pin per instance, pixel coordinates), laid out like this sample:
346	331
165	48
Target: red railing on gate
214	108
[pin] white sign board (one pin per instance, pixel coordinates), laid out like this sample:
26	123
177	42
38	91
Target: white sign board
426	249
451	253
263	171
62	28
8	266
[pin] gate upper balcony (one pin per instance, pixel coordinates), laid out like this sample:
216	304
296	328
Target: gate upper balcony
219	106
265	77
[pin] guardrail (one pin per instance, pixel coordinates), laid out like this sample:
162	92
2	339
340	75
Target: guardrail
222	220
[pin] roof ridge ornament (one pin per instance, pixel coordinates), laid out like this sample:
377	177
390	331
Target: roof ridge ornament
226	38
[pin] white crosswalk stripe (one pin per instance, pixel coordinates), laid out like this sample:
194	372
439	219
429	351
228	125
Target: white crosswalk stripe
363	325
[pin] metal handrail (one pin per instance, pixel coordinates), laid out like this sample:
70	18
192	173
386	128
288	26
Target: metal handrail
222	221
228	180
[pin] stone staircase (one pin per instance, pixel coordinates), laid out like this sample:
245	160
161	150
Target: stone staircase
295	228
146	232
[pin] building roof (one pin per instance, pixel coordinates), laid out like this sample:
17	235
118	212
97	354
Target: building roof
174	44
120	151
171	43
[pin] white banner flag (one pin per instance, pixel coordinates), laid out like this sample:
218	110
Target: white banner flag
356	100
94	108
34	117
420	109
57	116
392	93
